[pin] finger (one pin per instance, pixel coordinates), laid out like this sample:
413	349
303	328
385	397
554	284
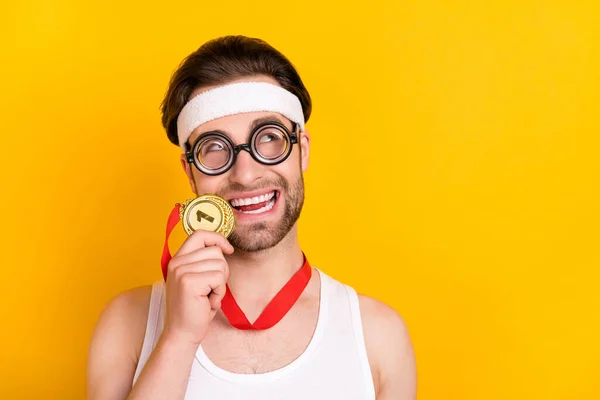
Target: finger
215	301
217	264
201	238
203	283
216	297
204	253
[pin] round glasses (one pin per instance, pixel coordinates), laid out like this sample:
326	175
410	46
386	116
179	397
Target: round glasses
213	153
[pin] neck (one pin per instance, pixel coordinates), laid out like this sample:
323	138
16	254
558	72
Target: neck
255	278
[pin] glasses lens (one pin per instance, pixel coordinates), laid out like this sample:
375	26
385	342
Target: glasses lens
271	143
213	152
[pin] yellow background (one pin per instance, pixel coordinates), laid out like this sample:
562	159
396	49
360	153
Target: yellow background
454	175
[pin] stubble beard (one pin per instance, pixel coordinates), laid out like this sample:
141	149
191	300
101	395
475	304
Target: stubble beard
260	236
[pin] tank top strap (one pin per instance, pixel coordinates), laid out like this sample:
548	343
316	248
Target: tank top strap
153	326
359	338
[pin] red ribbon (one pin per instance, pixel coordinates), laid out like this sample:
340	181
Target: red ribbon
166	254
277	308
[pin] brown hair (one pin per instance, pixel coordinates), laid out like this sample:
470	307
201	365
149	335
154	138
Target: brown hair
222	60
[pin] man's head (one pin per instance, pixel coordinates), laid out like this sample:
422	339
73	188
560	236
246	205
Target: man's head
277	189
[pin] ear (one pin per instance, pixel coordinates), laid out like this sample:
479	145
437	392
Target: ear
304	149
187	167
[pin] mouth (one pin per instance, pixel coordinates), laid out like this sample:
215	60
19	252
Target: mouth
255	205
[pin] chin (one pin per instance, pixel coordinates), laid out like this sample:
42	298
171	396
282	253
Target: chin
257	237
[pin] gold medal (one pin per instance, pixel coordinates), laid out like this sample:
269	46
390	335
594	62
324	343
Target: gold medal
208	212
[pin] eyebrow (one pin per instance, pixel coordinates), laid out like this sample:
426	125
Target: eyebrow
263	120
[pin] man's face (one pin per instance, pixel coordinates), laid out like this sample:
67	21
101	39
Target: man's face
275	192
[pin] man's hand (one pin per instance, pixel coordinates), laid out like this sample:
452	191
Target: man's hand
196	282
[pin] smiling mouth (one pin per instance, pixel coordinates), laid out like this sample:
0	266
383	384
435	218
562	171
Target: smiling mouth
255	205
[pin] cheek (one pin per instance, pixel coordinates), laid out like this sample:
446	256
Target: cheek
295	161
290	170
207	184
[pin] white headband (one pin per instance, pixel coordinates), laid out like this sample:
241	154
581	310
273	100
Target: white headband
237	98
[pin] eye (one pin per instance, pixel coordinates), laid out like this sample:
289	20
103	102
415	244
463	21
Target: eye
269	137
271	143
213	152
213	146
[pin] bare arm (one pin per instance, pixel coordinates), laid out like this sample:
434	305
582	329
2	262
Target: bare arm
115	350
116	345
167	371
195	286
390	351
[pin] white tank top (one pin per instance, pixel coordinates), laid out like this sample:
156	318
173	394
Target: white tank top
333	366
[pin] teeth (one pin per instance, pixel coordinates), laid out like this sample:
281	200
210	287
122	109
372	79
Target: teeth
269	205
252	200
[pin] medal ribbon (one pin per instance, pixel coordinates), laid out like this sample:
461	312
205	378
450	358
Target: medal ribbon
277	308
166	254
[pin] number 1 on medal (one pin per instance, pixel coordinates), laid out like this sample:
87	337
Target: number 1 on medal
204	215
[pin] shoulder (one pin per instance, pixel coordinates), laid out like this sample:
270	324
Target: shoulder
128	309
383	327
124	318
386	321
117	342
389	349
133	300
120	329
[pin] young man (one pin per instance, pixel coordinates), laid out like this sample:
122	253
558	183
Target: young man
237	109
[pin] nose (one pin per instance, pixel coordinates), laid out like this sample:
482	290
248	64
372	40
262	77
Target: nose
246	170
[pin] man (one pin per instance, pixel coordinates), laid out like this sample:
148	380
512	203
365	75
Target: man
237	109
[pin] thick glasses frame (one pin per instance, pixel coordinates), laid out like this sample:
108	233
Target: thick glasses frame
250	147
